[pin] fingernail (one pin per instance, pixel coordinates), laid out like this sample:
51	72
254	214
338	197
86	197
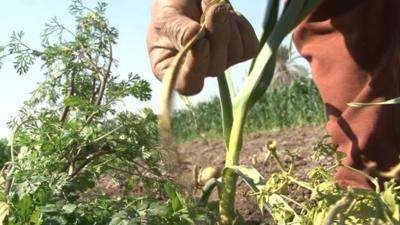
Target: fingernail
221	13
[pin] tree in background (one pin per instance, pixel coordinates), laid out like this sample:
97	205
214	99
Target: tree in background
287	69
69	133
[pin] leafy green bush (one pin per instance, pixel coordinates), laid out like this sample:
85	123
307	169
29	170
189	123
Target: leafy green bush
69	134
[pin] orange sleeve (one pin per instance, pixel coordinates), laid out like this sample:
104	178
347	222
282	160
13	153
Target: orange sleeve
353	47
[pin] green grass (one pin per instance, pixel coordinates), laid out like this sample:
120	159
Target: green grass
296	105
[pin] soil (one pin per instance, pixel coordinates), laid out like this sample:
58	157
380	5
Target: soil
204	153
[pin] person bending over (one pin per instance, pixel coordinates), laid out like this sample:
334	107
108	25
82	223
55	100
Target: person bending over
353	48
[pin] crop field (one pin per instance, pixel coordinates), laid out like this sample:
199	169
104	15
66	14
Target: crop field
258	155
297	104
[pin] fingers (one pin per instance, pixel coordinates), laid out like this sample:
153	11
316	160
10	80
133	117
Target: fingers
190	79
160	60
177	29
235	47
232	38
180	30
249	38
173	24
219	31
193	71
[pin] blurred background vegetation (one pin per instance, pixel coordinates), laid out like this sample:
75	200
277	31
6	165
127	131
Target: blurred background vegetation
291	101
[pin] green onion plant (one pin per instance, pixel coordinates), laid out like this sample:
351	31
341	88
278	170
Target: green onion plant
235	106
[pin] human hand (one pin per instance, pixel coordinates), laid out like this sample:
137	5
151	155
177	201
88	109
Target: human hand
230	39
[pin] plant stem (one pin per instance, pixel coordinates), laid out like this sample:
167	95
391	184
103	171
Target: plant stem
373	180
229	178
9	179
300	183
339	207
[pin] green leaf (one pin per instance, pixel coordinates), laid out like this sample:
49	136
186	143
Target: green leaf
260	203
173	196
69	208
263	66
207	190
394	101
130	185
390	197
4	211
75	101
36	216
339	207
274	203
42	195
119	218
24	206
340	156
51	208
157	209
36	53
251	176
226	107
187	219
270	18
279	209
